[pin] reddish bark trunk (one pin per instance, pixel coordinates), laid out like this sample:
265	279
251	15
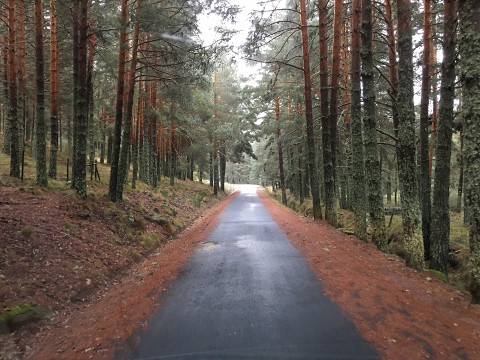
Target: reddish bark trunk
312	164
112	189
52	172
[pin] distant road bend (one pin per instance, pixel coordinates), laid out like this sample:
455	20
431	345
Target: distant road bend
248	294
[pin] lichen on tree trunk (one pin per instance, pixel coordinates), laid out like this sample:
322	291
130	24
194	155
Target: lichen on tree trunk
441	210
469	48
412	237
373	172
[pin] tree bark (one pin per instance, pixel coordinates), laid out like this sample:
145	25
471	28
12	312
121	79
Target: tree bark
79	172
373	171
6	90
412	237
334	88
357	164
312	164
91	104
392	64
469	49
41	128
114	171
172	151
441	191
425	181
26	124
124	164
52	170
460	176
12	94
75	87
280	153
327	140
223	164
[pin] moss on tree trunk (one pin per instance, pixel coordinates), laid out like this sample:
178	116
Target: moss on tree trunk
373	171
412	236
441	210
469	46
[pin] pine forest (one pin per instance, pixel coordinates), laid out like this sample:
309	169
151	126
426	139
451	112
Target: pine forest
360	114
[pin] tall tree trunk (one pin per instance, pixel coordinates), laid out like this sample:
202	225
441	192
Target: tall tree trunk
441	190
12	93
79	172
312	164
412	236
460	176
433	80
215	166
103	125
22	72
357	164
114	171
124	164
41	135
280	153
52	170
347	189
211	169
153	133
327	140
75	86
392	64
425	182
469	38
91	104
337	43
223	164
172	151
373	171
215	141
6	90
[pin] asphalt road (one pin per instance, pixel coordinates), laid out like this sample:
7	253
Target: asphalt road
248	294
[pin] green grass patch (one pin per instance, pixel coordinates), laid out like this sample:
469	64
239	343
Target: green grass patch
197	199
150	241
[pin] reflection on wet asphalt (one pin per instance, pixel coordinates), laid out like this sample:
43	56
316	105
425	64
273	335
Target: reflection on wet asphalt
248	294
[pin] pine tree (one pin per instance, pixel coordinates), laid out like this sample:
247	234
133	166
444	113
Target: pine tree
12	115
356	129
328	171
52	170
117	137
412	237
79	172
441	191
373	169
41	128
311	154
124	164
425	182
469	49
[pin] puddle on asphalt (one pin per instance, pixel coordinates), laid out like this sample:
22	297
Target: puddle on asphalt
245	241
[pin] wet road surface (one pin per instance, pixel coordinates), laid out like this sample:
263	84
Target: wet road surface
248	294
